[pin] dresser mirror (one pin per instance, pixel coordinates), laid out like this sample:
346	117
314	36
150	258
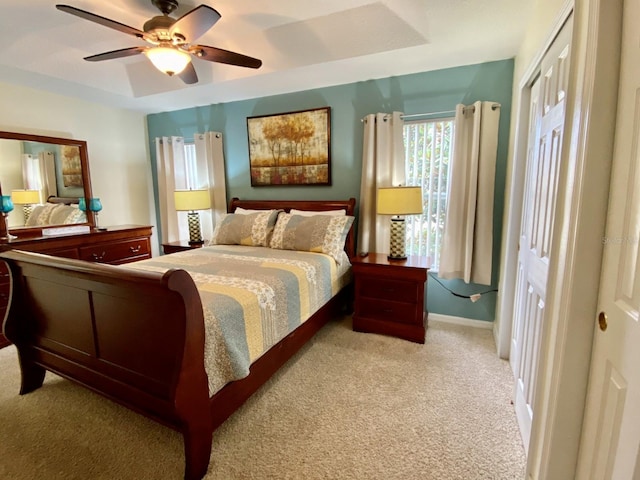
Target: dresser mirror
36	172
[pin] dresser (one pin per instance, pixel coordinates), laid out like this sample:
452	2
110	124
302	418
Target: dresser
115	245
390	296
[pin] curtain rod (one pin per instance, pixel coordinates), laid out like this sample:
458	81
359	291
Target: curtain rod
473	109
414	115
426	114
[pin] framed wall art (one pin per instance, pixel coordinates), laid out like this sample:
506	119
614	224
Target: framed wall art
290	148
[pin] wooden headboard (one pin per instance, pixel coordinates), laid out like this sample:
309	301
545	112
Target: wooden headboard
64	200
314	205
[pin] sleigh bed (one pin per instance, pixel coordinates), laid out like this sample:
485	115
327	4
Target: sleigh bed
141	334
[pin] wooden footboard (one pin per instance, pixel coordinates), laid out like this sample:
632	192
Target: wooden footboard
138	337
134	337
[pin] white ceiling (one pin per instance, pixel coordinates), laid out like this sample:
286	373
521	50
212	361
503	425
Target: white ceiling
303	44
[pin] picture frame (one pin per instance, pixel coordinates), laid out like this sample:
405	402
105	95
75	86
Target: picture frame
292	148
71	168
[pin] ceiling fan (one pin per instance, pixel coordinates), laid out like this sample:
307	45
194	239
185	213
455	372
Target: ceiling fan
170	39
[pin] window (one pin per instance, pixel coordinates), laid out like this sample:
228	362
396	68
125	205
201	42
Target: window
191	165
428	147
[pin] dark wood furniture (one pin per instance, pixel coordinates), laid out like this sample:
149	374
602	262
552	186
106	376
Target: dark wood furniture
138	337
116	245
49	144
389	296
5	291
179	246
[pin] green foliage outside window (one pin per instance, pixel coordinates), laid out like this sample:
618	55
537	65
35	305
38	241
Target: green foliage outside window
428	146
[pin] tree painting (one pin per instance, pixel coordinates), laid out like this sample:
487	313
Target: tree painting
290	149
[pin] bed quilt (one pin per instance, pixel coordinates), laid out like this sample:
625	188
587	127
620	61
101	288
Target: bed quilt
252	298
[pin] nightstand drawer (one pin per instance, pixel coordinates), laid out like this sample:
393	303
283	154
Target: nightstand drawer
395	290
386	310
117	252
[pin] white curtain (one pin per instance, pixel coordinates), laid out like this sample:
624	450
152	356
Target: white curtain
383	165
171	176
468	230
38	173
211	174
176	173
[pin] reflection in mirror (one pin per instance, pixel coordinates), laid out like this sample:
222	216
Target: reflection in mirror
45	177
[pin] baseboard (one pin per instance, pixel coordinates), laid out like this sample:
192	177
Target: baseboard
469	322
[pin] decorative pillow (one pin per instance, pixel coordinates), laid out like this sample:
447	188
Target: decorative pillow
74	215
65	214
41	214
317	233
310	213
253	229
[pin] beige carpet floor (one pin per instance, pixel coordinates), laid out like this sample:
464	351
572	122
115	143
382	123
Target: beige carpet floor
348	406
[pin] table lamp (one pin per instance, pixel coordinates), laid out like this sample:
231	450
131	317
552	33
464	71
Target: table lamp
190	201
26	198
399	201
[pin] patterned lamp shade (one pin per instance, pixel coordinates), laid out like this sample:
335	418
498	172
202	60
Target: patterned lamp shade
399	201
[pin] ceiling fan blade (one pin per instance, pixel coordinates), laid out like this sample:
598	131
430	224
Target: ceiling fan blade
194	24
123	52
213	54
189	75
121	27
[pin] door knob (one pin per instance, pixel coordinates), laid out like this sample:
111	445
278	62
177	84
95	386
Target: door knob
602	321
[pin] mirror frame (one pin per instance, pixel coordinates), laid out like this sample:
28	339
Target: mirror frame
86	180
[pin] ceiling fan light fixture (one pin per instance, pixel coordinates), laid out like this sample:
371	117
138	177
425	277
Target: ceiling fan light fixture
169	60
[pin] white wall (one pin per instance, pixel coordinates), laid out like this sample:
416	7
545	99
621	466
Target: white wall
116	141
543	18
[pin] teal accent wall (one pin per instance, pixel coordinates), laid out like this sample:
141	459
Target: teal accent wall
433	91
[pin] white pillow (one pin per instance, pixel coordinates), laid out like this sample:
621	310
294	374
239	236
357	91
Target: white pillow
310	213
246	211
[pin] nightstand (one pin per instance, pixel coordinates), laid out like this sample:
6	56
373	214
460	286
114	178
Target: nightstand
179	246
389	296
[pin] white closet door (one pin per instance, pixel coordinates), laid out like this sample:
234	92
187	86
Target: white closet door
543	162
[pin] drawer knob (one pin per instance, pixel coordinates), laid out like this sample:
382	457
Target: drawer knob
98	257
135	249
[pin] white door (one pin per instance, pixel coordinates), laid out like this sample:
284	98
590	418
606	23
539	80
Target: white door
547	114
610	443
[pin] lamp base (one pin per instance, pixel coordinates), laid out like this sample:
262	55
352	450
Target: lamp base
397	239
27	210
195	237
